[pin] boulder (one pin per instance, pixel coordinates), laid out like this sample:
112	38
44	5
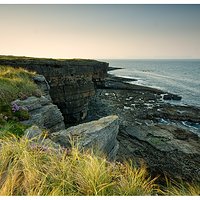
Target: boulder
42	113
99	135
33	132
172	97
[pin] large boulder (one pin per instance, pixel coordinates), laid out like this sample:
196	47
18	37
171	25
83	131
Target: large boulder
99	135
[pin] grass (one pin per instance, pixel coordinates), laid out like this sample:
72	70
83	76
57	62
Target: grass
181	188
16	83
26	169
73	61
12	127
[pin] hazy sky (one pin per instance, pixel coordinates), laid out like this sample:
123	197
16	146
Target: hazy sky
100	31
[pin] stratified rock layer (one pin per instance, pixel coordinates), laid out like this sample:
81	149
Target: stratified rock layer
42	111
99	135
72	82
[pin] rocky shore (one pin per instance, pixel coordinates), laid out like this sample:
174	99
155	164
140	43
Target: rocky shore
164	136
143	126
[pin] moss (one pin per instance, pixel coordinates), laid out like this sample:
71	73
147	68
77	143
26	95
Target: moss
22	115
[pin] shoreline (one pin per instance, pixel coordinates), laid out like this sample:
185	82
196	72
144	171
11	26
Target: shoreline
151	129
189	95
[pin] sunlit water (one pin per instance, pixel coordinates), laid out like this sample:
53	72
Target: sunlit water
180	77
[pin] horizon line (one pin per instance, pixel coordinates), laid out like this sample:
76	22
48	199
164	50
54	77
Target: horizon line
104	58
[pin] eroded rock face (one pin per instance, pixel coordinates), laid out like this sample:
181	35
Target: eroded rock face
100	135
42	111
72	82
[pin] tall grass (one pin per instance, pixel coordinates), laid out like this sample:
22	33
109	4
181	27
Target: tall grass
15	83
181	188
29	169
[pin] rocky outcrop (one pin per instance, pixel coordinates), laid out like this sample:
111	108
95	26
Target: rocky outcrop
72	82
165	148
99	135
166	137
42	111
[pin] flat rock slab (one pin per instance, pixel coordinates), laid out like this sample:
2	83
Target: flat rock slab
165	148
100	135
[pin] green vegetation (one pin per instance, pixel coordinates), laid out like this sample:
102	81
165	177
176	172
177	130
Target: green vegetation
181	188
72	61
16	83
12	127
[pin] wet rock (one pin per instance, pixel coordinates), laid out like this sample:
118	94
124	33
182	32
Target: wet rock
100	135
172	97
169	147
175	112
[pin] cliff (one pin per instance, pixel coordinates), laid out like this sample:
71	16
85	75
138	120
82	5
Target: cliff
72	81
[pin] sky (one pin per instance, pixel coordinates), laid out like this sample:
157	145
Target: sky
101	31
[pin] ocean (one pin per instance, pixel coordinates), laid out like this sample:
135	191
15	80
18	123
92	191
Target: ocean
181	77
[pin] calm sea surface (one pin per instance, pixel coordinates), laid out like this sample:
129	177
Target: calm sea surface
180	77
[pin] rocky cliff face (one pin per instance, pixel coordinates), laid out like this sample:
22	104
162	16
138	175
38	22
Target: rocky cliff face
72	82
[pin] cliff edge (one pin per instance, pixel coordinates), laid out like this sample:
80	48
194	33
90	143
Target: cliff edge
72	81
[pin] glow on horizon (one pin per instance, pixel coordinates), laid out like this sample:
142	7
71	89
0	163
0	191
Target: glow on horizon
101	31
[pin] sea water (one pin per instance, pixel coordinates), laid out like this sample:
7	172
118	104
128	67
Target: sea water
181	77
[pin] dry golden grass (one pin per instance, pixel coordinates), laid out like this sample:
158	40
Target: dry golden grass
26	169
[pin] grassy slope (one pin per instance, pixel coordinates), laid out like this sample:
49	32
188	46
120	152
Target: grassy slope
27	169
14	84
30	169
